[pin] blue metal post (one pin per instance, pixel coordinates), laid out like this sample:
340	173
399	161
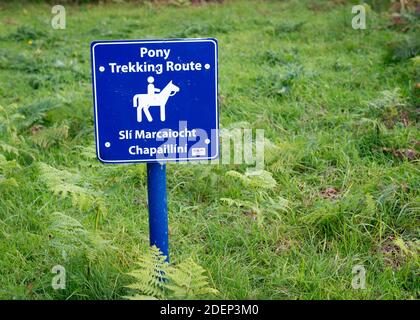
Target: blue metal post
158	207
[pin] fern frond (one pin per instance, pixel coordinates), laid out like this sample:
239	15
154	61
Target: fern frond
273	207
271	151
10	119
36	112
8	182
255	178
156	279
66	233
188	281
88	152
149	275
388	99
64	183
8	148
7	165
262	208
66	224
238	203
48	137
7	168
68	185
69	235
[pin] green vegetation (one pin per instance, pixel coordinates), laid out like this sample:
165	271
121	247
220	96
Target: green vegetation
340	110
156	279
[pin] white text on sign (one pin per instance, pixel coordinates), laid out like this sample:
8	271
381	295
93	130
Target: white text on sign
159	68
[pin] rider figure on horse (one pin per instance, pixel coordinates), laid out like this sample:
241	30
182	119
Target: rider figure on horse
151	90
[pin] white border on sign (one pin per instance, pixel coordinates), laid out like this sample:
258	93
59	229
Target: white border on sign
154	41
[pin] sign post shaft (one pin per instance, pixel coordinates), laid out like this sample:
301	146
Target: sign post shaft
158	207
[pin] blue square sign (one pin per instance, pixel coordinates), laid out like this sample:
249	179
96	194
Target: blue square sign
155	100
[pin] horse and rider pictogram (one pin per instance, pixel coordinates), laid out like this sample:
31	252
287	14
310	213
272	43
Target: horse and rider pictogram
154	97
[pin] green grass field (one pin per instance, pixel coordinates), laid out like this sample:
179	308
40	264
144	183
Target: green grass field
340	110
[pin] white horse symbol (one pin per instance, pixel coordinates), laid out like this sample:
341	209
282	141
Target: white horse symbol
143	101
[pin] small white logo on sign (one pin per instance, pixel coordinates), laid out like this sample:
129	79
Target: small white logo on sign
198	151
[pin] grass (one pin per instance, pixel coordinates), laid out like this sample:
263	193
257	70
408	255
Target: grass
342	118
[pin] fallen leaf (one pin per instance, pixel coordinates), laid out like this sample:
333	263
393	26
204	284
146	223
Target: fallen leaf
36	128
409	154
330	193
10	21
